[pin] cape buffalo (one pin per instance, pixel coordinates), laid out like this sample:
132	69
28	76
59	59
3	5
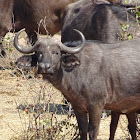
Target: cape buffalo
106	22
98	75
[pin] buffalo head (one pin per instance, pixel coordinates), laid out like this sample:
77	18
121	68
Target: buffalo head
49	54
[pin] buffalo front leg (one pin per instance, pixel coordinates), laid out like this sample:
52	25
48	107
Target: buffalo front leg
3	31
82	123
113	125
2	51
132	124
95	113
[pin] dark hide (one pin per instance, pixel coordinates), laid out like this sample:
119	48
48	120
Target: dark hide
107	76
97	22
36	16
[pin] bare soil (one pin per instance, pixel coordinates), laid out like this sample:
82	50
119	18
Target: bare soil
18	91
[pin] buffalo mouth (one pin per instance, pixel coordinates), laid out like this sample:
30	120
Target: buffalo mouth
45	71
47	75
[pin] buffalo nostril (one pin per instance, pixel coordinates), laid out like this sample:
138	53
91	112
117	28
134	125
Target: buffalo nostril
47	66
42	66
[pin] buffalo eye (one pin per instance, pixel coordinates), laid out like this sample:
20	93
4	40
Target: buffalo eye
40	56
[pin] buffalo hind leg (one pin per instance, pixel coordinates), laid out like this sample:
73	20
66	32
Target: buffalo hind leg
82	123
113	125
132	124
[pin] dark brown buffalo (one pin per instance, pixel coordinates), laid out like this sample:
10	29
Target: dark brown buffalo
106	22
36	16
100	76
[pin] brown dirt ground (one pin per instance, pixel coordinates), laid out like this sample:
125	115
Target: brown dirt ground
16	90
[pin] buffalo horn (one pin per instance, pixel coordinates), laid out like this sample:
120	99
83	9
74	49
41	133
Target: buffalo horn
73	50
25	50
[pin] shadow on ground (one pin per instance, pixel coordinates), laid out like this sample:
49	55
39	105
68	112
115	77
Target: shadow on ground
58	109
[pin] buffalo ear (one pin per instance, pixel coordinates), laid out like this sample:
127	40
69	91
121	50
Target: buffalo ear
69	62
26	61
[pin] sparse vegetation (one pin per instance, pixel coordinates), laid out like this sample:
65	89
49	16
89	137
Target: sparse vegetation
125	34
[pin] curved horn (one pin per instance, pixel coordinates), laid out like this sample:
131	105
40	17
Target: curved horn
79	48
20	48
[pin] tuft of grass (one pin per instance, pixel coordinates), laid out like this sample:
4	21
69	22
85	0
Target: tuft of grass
125	33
